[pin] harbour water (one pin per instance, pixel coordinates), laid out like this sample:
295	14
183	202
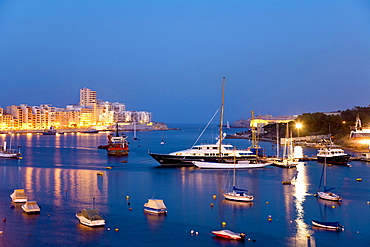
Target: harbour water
60	173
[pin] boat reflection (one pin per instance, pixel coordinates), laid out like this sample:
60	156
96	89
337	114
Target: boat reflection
155	221
227	242
234	205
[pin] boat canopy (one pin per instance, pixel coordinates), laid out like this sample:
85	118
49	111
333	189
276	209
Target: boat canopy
20	193
31	205
236	189
91	214
156	203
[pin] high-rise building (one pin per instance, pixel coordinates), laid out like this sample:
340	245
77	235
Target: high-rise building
87	97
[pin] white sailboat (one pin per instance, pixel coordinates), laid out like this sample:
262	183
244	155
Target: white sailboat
135	137
325	193
288	160
221	163
237	194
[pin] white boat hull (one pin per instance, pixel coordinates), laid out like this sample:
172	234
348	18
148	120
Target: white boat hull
237	197
229	234
329	196
30	211
239	165
19	199
88	222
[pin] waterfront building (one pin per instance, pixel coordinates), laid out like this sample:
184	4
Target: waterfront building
89	112
87	97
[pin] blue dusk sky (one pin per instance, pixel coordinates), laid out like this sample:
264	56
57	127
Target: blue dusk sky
168	57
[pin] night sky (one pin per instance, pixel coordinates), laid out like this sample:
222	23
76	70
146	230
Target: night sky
169	57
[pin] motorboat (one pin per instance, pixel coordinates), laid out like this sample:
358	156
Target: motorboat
19	195
365	156
360	133
90	217
31	207
242	164
229	234
156	206
50	131
332	155
117	144
328	225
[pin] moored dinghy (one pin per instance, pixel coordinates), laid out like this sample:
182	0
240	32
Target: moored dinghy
90	217
19	195
31	207
229	234
329	225
155	206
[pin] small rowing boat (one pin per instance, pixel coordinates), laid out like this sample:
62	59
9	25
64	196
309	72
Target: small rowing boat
329	225
229	234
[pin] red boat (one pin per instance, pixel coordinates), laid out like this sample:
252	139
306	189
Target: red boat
117	145
229	234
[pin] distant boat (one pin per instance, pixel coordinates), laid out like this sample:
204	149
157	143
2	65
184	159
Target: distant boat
227	125
6	152
288	160
325	193
365	156
31	207
229	234
359	133
237	194
90	131
328	225
162	141
19	195
90	217
51	131
155	206
135	137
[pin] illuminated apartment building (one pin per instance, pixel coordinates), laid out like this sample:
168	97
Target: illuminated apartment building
87	97
89	112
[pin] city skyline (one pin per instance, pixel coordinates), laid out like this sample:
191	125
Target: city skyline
168	58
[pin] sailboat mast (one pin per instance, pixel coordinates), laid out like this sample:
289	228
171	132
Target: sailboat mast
277	140
253	131
285	152
325	150
222	115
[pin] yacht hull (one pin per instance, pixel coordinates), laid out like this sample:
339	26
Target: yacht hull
335	160
182	160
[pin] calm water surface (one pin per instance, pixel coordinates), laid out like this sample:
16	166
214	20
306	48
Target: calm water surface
60	173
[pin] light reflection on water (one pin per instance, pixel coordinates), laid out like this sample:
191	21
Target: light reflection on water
60	173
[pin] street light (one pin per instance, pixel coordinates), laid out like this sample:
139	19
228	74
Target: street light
298	126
